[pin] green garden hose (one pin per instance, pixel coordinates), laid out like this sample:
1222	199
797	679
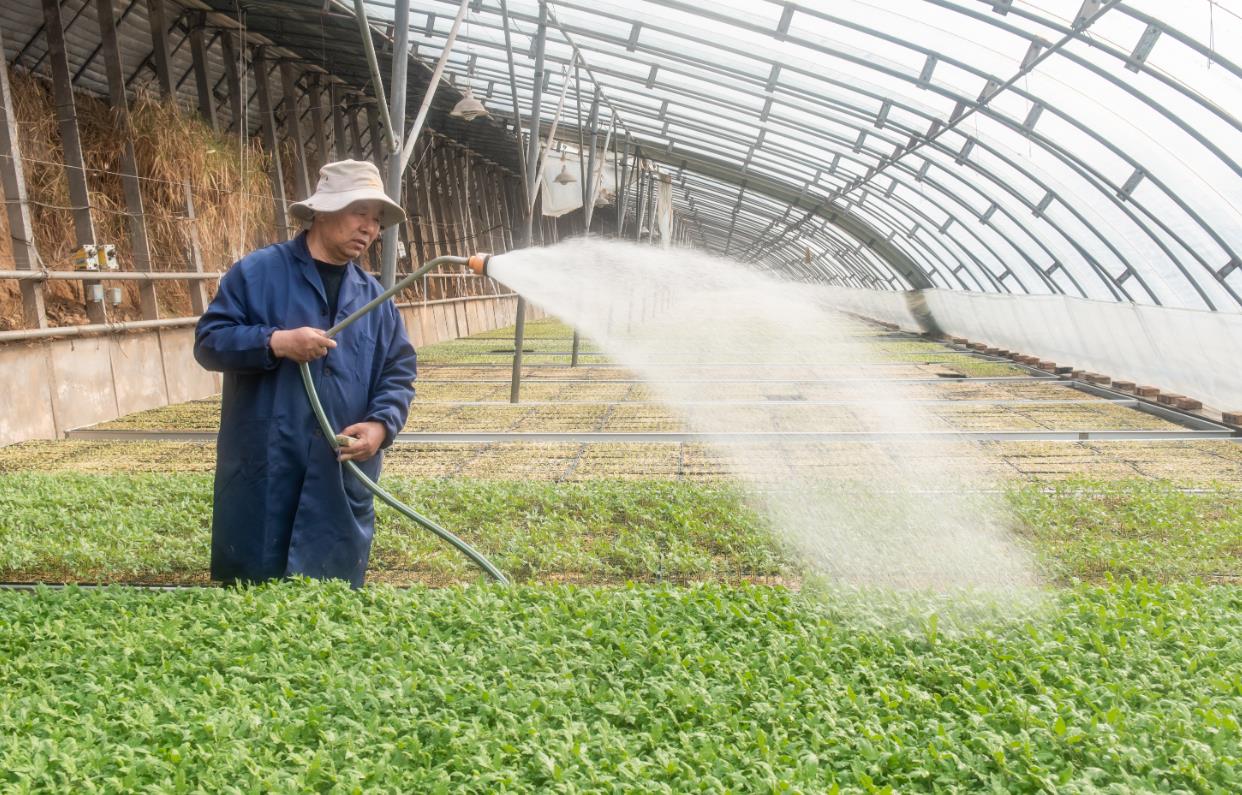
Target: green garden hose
313	396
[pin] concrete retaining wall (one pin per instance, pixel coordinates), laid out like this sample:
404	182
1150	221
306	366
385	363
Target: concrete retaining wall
50	386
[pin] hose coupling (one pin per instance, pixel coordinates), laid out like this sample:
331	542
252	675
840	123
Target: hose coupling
478	263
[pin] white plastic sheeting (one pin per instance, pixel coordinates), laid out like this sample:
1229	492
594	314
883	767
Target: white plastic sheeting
566	196
1192	352
664	211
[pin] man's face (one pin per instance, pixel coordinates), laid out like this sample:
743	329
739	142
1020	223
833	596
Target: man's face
346	234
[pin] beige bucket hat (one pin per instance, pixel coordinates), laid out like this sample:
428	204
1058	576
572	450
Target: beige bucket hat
341	184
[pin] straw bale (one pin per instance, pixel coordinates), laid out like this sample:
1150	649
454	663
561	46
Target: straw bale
227	177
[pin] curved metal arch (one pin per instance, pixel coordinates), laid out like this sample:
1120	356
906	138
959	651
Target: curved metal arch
1181	37
1113	189
1020	224
919	215
845	220
1069	118
960	258
1114	285
1131	217
966	255
716	191
969	216
965	218
1009	240
657	153
1195	97
837	261
1108	281
1060	154
1077	60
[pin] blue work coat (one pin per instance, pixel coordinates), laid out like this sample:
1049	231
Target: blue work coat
283	504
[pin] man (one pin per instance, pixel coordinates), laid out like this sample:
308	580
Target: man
284	506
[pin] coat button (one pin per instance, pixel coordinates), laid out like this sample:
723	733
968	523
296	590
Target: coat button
327	371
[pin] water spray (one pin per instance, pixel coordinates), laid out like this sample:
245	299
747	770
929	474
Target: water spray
478	263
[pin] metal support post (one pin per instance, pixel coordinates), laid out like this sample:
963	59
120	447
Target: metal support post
355	134
197	288
640	185
377	135
158	20
71	143
592	122
268	123
159	43
532	174
340	150
532	146
319	128
392	182
232	74
140	248
623	187
202	82
416	129
13	179
293	128
517	113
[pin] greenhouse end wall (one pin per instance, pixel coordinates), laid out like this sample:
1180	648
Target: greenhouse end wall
1187	351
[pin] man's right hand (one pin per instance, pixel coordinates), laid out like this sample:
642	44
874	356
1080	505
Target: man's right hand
301	344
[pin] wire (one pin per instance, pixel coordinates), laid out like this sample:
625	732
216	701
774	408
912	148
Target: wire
57	206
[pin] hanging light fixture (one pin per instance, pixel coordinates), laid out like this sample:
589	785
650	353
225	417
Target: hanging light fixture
468	107
566	176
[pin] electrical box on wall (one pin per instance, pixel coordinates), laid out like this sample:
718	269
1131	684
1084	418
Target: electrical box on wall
86	258
95	257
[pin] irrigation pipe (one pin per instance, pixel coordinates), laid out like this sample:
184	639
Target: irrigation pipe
313	396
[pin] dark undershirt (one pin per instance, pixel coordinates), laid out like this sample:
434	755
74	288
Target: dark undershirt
332	275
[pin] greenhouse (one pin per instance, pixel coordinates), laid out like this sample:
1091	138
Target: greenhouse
561	396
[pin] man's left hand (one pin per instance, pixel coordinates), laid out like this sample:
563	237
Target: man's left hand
367	436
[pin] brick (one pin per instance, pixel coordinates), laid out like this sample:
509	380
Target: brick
1046	365
1124	386
1096	378
1147	392
958	340
1169	398
1077	375
1188	404
1232	417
